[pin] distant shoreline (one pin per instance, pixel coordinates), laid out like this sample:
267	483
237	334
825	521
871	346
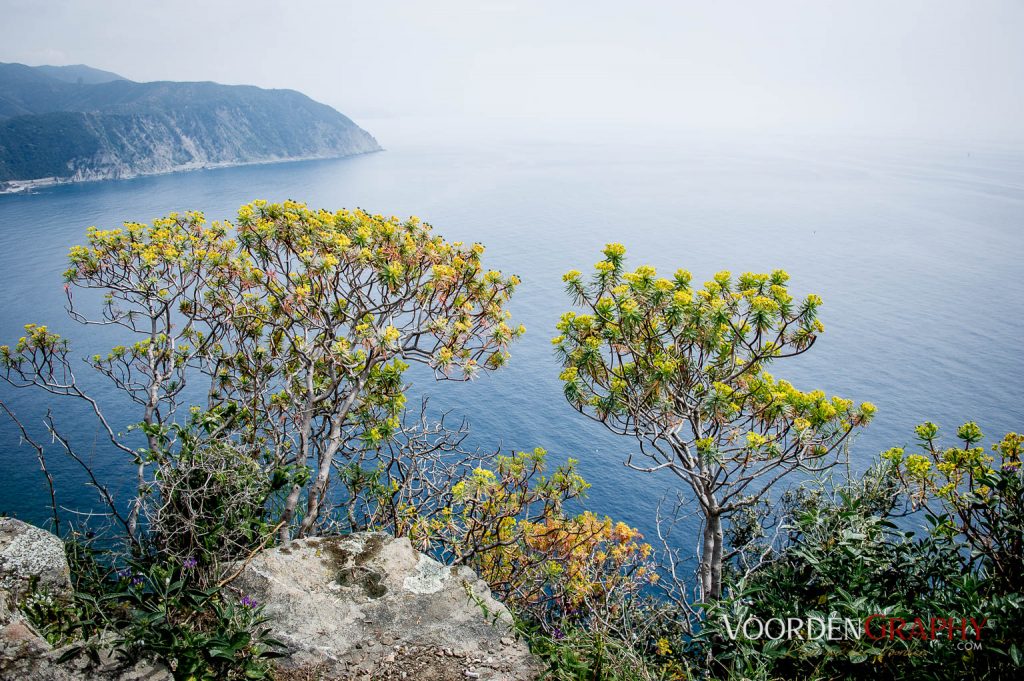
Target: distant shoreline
26	186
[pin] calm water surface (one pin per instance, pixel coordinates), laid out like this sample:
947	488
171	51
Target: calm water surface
915	249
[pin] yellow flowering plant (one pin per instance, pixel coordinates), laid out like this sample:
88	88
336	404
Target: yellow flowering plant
504	516
344	302
151	276
971	491
298	323
684	370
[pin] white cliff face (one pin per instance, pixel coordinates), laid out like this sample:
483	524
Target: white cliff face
164	143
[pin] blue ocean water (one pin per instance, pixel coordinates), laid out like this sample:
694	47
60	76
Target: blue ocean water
915	248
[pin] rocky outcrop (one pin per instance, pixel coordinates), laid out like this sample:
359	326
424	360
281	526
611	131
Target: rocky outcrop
365	606
371	606
29	554
26	656
33	559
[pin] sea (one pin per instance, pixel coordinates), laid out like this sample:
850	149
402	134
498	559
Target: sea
914	245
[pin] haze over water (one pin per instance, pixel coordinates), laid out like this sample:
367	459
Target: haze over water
914	246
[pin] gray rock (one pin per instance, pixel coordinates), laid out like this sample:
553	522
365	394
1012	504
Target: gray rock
362	606
371	604
29	554
24	655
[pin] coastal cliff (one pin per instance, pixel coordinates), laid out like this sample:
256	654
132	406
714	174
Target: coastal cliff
84	124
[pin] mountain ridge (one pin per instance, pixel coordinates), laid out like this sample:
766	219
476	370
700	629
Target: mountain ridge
79	73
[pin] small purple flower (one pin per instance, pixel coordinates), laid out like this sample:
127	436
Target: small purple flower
124	574
190	563
249	602
558	634
137	581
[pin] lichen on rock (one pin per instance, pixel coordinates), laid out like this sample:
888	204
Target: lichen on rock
363	606
30	555
370	606
33	560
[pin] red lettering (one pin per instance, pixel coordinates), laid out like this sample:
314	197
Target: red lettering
867	628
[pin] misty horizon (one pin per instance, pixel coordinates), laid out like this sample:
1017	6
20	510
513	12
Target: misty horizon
943	69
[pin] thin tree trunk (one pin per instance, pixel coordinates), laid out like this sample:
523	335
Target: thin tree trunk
711	556
319	487
284	534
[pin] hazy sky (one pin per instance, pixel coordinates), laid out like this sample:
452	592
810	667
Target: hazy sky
925	67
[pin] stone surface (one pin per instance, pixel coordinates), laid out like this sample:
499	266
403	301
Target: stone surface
366	606
25	655
370	606
29	554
